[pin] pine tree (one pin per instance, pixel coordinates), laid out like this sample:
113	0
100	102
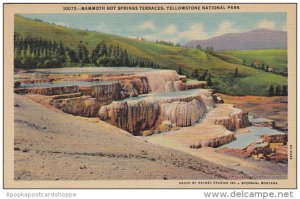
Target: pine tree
236	72
82	53
203	76
209	82
284	91
278	90
125	58
195	74
180	70
72	56
271	90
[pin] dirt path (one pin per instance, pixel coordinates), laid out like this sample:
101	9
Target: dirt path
255	169
51	145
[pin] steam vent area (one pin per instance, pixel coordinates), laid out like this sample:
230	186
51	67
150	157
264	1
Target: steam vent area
155	105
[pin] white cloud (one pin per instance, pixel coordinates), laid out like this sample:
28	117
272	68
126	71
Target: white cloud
169	30
226	27
171	33
195	31
266	24
147	25
166	34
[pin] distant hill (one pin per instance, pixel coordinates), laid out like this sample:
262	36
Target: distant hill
274	58
250	81
254	39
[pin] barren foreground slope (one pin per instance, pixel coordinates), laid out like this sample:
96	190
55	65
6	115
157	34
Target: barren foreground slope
51	145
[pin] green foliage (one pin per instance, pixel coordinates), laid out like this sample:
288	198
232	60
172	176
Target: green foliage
200	76
250	81
284	91
199	47
278	90
209	82
236	72
168	43
180	70
30	52
82	53
210	49
265	58
271	90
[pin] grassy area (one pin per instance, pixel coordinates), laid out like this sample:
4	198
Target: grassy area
274	58
251	85
250	81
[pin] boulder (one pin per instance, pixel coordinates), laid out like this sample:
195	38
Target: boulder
17	84
165	126
279	138
147	132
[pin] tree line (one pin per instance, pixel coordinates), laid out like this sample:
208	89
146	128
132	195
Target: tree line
254	64
33	52
167	43
265	67
278	90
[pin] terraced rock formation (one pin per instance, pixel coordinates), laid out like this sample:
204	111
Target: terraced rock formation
166	108
143	113
140	101
215	129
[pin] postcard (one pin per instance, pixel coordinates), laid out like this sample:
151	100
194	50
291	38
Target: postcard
150	96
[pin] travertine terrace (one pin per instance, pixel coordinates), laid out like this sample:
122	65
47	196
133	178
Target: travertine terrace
155	108
133	99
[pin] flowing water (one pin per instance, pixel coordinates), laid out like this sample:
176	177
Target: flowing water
62	83
255	132
161	96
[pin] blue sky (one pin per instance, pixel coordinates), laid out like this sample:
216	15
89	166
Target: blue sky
178	27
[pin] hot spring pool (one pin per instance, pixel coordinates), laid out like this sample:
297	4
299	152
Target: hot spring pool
243	140
63	83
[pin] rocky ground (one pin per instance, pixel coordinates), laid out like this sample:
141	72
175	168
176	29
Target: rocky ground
273	108
255	169
214	131
52	145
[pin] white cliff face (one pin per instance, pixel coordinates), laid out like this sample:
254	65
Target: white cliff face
110	91
230	117
143	113
213	131
133	116
183	113
163	81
